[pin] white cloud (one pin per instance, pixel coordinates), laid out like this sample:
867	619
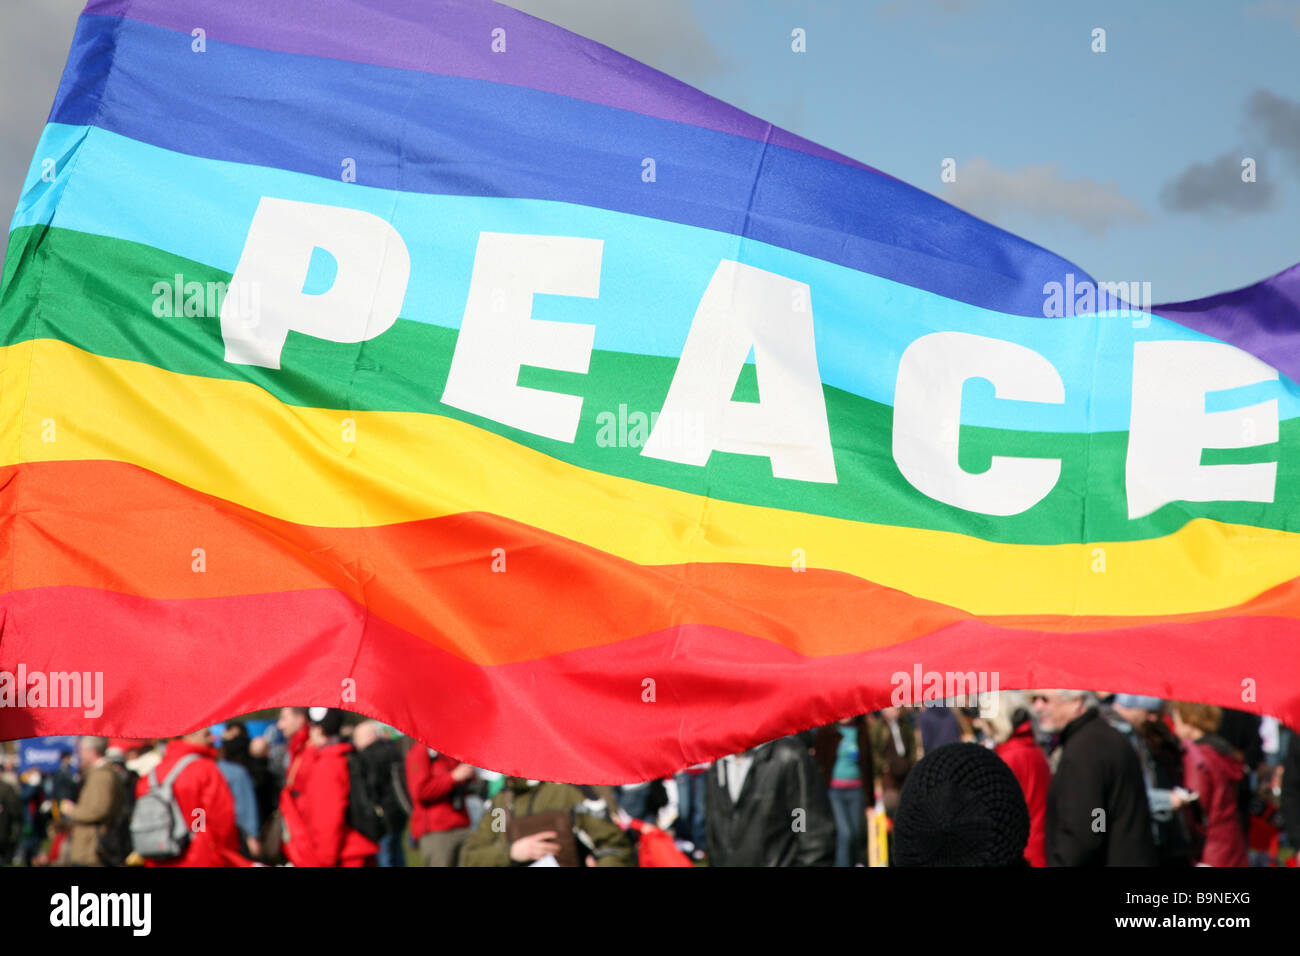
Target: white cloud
992	193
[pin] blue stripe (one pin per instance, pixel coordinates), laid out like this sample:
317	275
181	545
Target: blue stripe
653	274
419	132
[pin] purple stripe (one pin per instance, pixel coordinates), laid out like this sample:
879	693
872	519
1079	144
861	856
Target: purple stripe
454	38
1262	319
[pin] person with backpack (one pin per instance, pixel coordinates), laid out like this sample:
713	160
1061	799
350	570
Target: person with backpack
324	804
114	847
184	814
439	818
382	760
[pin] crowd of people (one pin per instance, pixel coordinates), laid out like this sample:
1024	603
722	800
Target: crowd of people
1043	778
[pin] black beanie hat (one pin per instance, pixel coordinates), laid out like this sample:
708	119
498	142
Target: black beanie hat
961	806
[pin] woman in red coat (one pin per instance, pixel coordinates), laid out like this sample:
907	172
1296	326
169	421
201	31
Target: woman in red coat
314	801
1212	770
1013	731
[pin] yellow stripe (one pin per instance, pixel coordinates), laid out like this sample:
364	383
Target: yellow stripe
235	441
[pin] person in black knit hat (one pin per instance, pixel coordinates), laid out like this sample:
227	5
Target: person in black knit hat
961	806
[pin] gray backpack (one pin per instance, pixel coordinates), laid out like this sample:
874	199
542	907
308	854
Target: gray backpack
159	830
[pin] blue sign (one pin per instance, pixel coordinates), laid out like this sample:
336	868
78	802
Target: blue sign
44	753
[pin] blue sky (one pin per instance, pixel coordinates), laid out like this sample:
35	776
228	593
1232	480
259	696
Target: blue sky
1003	87
1072	149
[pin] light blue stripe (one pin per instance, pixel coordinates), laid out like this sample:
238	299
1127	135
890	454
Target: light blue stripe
653	274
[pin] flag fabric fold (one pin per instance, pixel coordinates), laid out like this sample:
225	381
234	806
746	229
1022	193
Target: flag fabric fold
433	362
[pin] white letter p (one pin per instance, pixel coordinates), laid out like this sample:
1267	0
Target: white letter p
363	302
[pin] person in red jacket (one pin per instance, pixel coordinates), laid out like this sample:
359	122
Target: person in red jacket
314	801
205	802
293	726
1212	770
1012	731
439	821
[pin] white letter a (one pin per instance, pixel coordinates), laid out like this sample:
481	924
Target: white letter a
743	308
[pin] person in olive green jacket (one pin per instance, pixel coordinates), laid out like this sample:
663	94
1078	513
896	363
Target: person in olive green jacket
600	841
102	796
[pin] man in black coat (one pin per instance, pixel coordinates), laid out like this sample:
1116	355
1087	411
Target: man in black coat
1097	811
769	807
384	765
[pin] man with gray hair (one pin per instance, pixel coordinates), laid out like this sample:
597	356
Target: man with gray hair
97	806
1097	804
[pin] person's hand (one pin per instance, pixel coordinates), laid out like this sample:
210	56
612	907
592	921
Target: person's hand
530	848
66	807
463	773
254	847
591	861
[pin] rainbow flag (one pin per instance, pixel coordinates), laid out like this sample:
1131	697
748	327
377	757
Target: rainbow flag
429	361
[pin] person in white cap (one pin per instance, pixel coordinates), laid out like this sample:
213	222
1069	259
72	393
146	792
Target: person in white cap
315	798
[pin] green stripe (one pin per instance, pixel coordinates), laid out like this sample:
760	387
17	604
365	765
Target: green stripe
97	294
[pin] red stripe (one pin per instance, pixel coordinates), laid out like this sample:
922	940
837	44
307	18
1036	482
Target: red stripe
171	666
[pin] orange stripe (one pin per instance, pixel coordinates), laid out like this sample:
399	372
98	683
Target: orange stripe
117	527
